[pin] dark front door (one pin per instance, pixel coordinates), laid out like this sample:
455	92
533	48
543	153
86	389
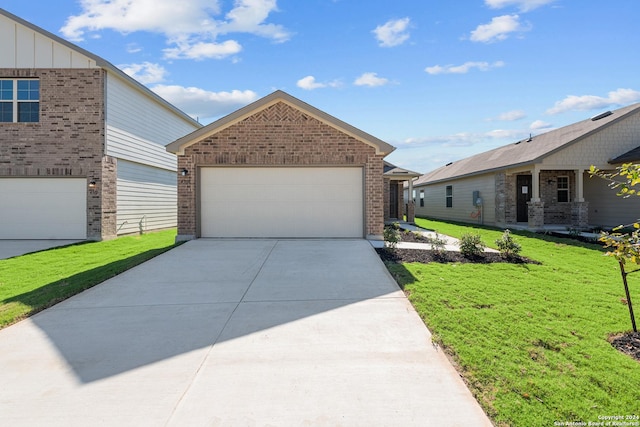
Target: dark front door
393	200
523	188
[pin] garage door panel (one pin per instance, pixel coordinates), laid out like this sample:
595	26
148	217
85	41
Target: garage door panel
43	208
281	202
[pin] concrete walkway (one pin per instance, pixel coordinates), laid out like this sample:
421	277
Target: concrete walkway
450	243
235	333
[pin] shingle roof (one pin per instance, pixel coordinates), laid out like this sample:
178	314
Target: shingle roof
396	172
178	146
526	151
628	157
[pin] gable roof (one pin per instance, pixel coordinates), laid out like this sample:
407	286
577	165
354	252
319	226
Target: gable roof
181	144
527	151
101	63
392	171
629	156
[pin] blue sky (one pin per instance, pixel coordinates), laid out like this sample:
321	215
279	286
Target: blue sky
440	80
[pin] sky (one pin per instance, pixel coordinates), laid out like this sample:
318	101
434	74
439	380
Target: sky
440	80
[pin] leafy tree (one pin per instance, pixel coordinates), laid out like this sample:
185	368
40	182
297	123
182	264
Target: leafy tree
624	247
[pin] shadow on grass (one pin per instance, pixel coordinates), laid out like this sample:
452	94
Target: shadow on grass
50	294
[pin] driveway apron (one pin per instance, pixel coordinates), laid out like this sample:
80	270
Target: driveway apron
235	333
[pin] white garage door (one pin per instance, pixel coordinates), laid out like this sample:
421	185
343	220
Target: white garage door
43	208
281	202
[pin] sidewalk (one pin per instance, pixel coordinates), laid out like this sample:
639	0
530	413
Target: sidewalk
451	243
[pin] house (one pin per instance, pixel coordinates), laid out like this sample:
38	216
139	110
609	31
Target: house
81	143
394	180
281	168
541	181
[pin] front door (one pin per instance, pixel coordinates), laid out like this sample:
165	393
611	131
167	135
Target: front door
393	200
523	188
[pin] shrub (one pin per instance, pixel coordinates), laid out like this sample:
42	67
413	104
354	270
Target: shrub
437	244
471	244
391	235
507	246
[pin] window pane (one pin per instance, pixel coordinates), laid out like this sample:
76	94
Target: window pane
28	90
6	90
6	112
28	111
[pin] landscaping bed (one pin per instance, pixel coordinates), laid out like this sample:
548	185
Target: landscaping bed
628	344
427	256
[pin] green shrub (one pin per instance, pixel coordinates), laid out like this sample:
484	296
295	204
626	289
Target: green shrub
437	243
391	235
507	246
471	244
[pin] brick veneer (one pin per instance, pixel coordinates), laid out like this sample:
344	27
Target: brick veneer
68	141
279	135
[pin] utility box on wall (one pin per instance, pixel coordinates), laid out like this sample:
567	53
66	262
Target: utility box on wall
477	201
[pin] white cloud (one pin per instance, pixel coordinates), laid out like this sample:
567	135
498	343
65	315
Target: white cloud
310	83
202	50
539	124
498	29
145	72
371	80
191	26
466	139
523	5
202	103
592	102
464	68
511	116
393	32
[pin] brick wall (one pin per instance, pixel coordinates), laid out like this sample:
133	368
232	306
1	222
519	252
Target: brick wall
68	141
280	135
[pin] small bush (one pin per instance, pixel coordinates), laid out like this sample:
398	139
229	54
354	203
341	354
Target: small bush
507	246
437	243
471	245
391	235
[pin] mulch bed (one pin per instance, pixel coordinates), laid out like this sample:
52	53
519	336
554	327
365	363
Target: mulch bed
628	344
427	256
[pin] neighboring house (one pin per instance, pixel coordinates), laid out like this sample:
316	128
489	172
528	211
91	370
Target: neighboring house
81	143
542	180
280	168
394	181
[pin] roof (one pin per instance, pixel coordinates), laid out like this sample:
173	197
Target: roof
628	157
181	144
102	63
527	151
395	172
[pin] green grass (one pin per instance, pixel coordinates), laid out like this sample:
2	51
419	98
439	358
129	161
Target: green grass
33	282
531	340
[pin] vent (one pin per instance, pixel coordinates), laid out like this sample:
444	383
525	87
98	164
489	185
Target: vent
449	164
601	116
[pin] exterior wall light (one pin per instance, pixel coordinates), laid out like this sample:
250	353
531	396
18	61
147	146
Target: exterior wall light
92	184
184	172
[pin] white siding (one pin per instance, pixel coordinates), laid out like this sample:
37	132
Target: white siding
463	209
22	47
605	208
147	198
138	127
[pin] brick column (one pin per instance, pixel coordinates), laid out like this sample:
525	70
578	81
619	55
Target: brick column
536	215
411	211
580	214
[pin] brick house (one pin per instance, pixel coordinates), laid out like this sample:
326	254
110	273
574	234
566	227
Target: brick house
541	181
280	168
81	143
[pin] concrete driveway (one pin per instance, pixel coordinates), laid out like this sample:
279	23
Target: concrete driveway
11	248
235	333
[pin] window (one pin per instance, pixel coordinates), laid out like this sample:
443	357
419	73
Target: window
19	100
449	196
422	198
563	189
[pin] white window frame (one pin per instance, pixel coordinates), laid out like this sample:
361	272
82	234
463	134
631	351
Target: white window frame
563	189
15	102
448	192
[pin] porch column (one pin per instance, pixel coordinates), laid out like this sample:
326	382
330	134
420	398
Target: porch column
411	216
579	185
535	190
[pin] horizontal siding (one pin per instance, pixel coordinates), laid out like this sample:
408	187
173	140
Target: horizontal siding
463	209
138	127
146	198
605	208
22	47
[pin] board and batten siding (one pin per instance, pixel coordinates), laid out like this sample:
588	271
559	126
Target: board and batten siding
605	208
138	127
23	47
463	209
146	198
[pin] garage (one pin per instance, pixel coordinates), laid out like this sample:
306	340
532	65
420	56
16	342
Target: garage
281	202
43	208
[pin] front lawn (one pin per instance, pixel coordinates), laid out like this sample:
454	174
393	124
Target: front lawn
532	340
33	282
